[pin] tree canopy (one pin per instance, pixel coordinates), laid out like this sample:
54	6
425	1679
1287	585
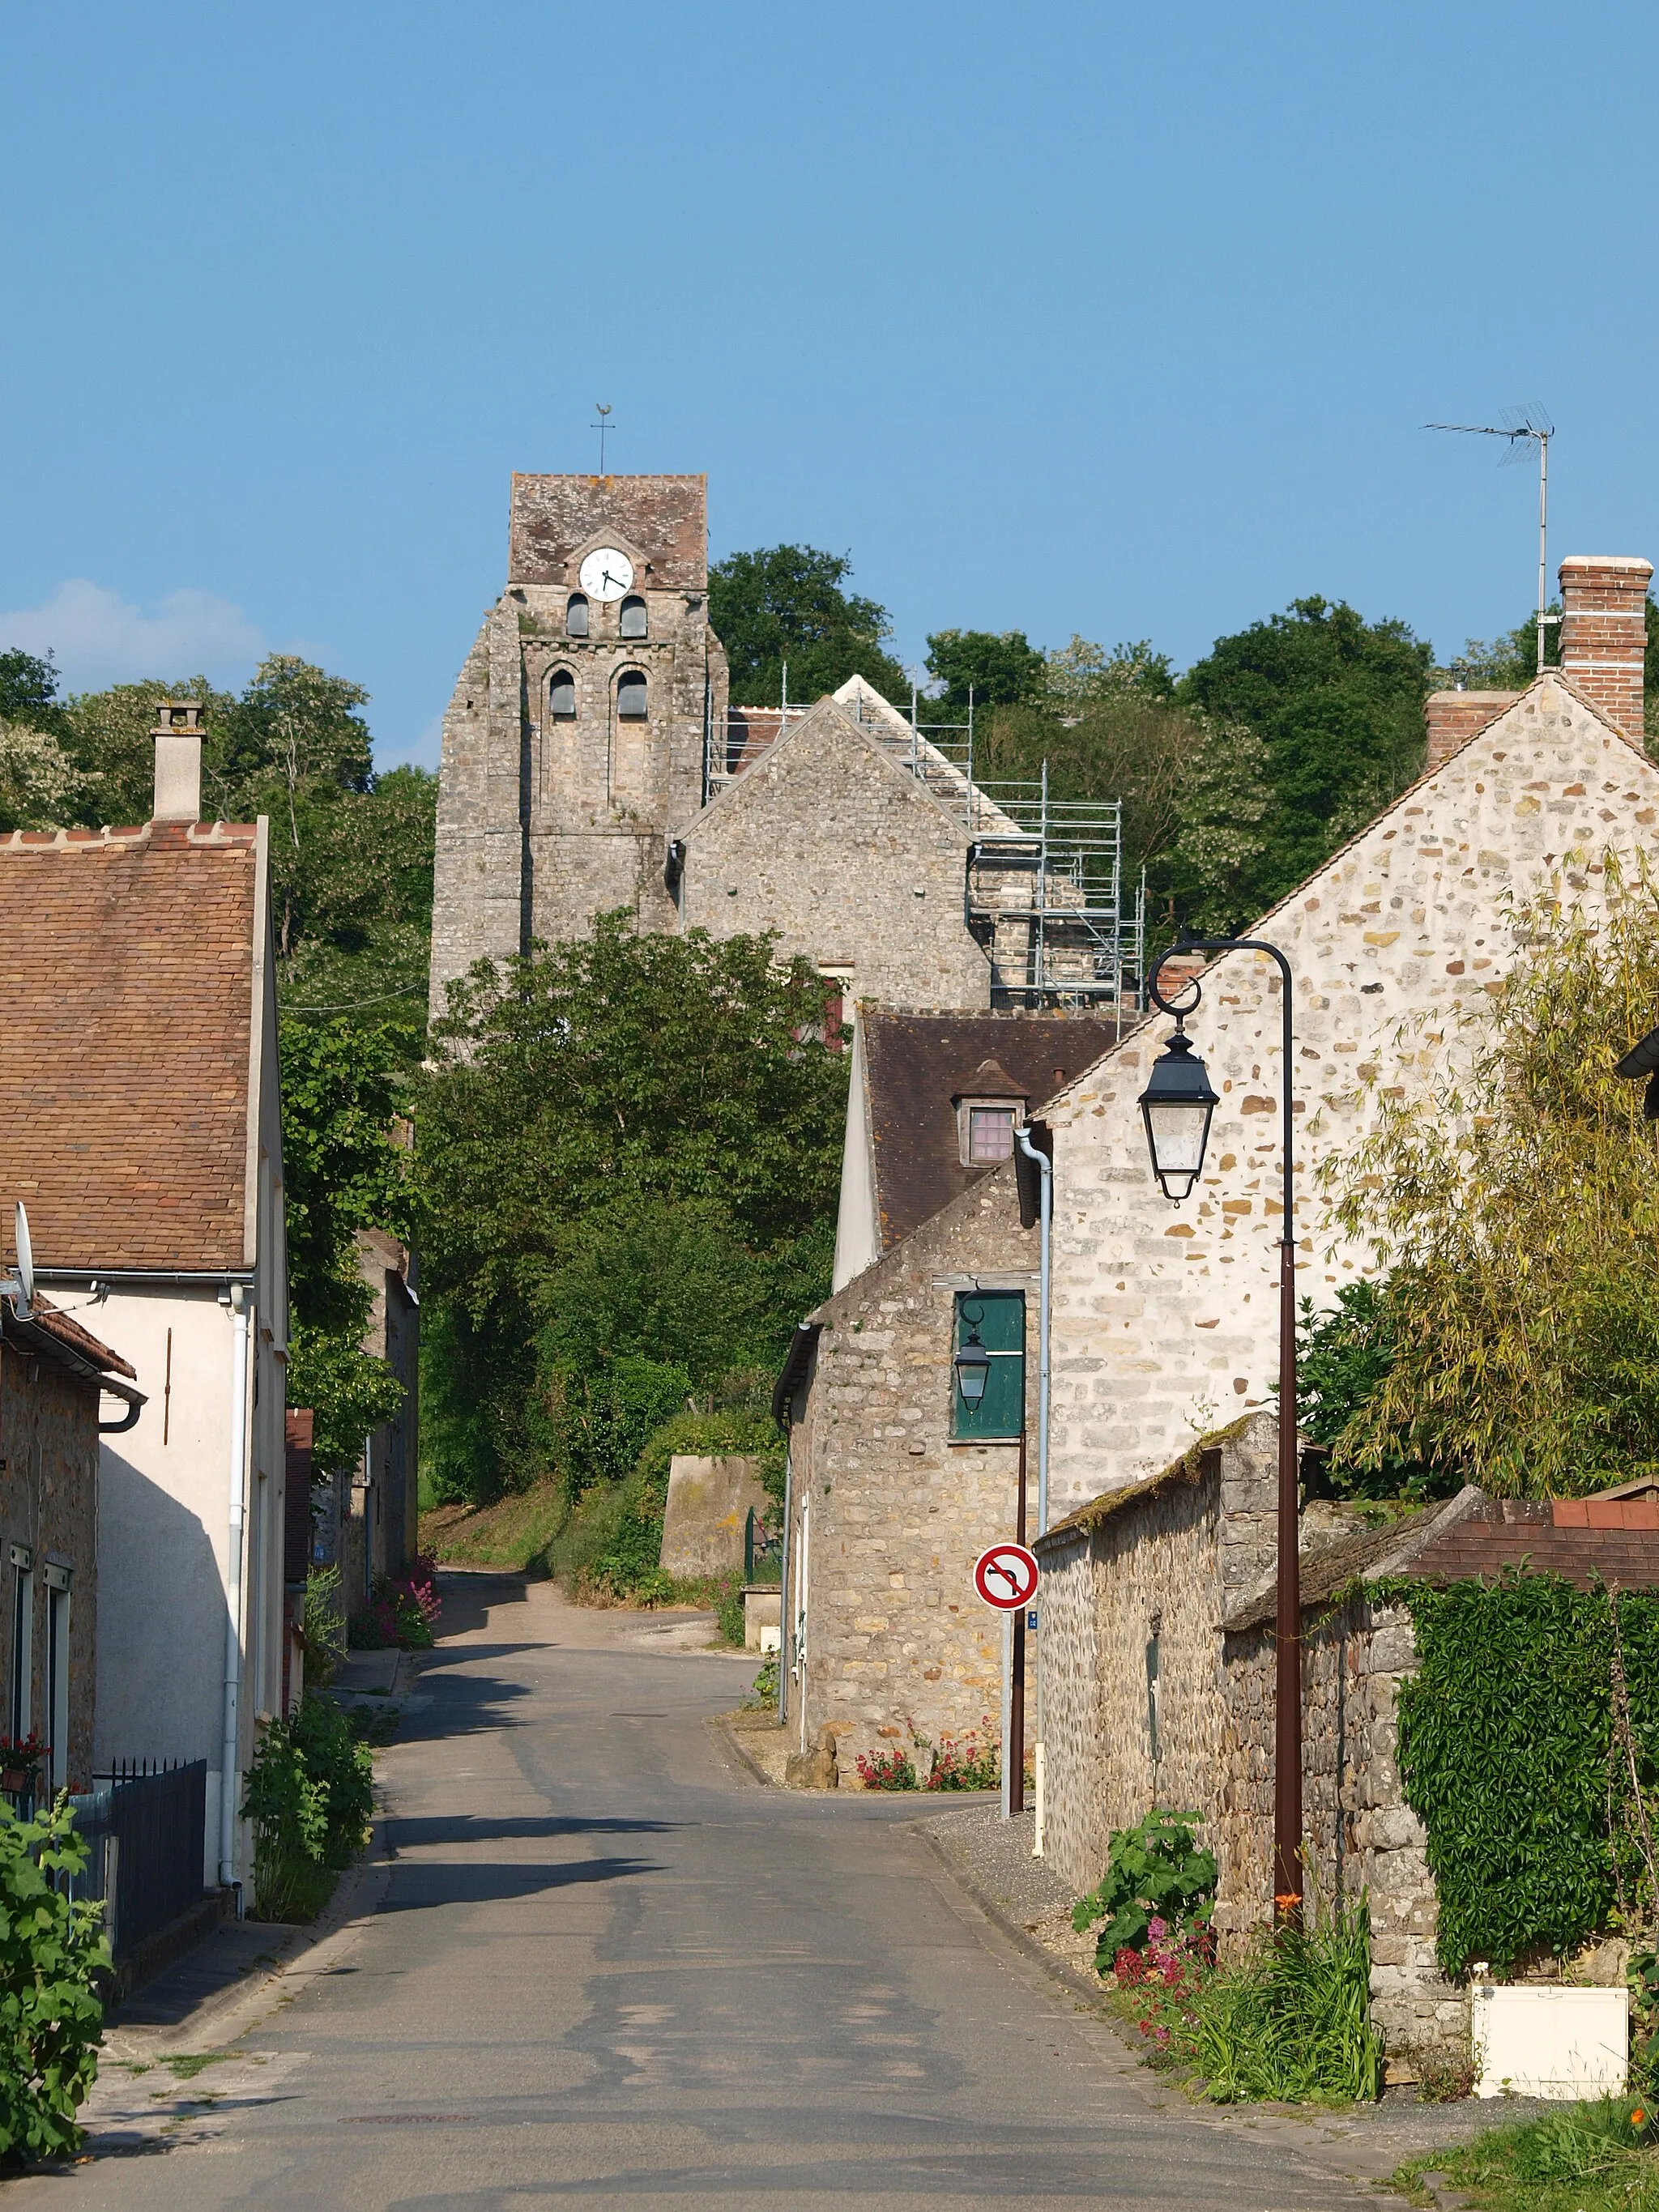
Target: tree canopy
1337	704
1000	668
1513	1208
787	602
629	1148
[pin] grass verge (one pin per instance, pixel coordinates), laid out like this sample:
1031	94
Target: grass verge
513	1532
1598	2157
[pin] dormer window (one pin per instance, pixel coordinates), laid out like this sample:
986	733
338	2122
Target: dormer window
990	1106
575	617
633	617
562	696
990	1136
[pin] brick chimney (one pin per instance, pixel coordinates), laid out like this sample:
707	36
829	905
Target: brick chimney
1604	633
178	736
1454	717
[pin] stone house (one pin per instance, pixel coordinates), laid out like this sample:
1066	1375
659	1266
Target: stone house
1165	1319
138	1061
54	1377
1158	1612
896	1485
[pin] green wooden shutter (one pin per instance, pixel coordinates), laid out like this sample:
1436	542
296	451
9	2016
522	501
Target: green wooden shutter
999	1318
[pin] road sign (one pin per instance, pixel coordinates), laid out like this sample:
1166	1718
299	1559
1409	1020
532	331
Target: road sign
1005	1577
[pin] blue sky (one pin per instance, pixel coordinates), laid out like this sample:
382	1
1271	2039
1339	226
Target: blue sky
1121	321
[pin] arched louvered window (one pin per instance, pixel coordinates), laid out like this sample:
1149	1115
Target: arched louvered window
633	617
575	616
561	694
631	704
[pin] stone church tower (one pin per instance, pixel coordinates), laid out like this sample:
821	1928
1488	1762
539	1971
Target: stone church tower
574	745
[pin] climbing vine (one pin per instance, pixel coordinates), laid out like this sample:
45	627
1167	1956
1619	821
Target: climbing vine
1529	1750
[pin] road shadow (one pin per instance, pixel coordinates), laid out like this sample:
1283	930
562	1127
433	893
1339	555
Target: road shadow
478	1827
417	1886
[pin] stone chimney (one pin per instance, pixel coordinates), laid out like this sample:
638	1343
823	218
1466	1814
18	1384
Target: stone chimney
1454	717
178	736
1604	633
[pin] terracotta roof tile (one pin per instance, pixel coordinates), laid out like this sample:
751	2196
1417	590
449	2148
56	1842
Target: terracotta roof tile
126	988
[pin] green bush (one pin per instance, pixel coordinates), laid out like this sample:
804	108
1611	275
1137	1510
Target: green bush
1511	1756
1154	1871
50	2015
612	1541
1293	2025
324	1630
311	1797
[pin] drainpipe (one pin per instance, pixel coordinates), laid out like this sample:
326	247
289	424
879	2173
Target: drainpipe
1045	1214
239	1327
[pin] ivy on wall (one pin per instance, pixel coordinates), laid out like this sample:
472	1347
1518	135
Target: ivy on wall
1514	1757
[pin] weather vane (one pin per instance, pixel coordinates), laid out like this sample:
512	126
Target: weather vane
601	426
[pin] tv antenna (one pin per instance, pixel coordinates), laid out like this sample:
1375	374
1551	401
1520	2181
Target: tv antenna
1524	427
601	426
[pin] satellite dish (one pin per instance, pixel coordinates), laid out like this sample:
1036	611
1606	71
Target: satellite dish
25	1265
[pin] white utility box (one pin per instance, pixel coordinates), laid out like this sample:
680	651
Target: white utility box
1542	2040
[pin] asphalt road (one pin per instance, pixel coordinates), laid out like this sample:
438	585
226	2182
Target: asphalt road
602	1969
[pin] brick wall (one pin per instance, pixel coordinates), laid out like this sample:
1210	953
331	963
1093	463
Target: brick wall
1454	717
1604	633
1165	1318
897	1513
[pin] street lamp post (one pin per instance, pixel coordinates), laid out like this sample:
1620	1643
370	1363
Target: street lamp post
1176	1107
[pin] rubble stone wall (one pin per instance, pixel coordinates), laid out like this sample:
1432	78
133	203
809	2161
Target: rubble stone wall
846	855
896	1513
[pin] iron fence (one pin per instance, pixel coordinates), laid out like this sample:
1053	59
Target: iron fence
145	1825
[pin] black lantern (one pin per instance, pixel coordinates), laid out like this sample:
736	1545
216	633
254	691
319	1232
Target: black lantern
1177	1106
973	1364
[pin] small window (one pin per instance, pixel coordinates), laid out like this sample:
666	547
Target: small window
990	1134
575	617
57	1674
995	1322
633	617
22	1638
631	704
561	694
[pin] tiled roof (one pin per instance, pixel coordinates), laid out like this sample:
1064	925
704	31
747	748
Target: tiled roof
46	1320
1611	1540
125	1005
917	1064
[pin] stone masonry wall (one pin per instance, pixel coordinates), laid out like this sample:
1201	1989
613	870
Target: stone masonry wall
1169	1558
1363	1838
49	1502
849	858
1179	1553
897	1513
545	820
1167	1319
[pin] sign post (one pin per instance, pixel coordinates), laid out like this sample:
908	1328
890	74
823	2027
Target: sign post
1005	1578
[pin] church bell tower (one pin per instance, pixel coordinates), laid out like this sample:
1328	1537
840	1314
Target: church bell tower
574	745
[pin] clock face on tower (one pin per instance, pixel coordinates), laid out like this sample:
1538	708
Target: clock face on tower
606	573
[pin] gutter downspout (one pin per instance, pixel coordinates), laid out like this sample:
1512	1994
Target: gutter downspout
238	1472
1045	1211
